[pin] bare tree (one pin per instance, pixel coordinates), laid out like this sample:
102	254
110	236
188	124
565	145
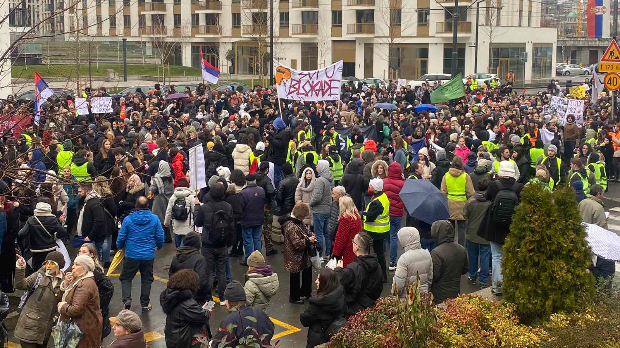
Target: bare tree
391	24
256	12
492	25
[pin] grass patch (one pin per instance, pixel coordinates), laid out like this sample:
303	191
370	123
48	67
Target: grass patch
70	72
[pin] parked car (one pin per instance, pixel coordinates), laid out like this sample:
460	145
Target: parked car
430	79
232	86
374	81
572	69
58	93
481	77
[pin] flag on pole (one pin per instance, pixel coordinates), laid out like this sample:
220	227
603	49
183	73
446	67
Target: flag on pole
41	93
209	72
452	89
597	86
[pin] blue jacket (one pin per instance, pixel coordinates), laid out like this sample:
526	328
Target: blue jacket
36	163
140	232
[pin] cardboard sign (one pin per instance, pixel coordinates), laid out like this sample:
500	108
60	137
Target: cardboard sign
101	105
81	105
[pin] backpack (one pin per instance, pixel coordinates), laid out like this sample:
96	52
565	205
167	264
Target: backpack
220	227
179	209
504	205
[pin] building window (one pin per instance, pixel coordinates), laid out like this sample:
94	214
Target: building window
177	1
142	21
365	16
283	19
309	56
337	18
98	2
395	17
462	13
98	19
126	2
210	52
259	18
126	21
236	20
423	14
447	60
112	3
112	20
177	20
309	17
195	19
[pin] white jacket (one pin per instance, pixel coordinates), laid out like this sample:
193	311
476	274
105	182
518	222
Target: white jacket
415	261
181	227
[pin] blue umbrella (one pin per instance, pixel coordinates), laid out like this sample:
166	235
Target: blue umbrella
425	107
424	201
385	106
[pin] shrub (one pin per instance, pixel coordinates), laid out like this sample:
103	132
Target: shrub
546	256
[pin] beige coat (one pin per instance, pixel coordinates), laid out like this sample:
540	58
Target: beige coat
456	208
241	158
259	289
592	211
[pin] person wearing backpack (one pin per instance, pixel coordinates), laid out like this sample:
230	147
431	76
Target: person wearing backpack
216	218
504	193
178	211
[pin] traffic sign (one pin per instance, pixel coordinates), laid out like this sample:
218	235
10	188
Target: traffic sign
609	67
612	81
612	53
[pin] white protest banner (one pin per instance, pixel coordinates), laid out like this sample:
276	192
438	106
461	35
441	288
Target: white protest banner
101	105
81	104
314	85
401	83
197	173
564	106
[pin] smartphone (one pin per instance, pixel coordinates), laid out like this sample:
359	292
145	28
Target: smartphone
207	306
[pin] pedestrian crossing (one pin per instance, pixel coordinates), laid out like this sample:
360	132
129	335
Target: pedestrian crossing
613	224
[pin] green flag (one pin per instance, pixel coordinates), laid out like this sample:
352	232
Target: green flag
452	89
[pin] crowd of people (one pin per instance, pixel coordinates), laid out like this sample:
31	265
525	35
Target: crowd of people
121	182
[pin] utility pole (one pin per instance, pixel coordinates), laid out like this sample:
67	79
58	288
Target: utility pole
271	42
90	72
125	60
615	19
455	31
477	29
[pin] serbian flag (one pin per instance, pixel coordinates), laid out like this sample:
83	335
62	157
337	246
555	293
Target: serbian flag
209	72
41	93
596	10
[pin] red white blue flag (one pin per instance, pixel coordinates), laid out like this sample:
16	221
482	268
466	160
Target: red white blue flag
41	93
209	72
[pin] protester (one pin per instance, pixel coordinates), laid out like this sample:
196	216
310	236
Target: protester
161	190
414	265
188	257
377	221
40	232
297	241
304	190
392	185
334	212
262	283
263	180
128	332
320	204
285	196
449	262
104	286
477	247
179	211
349	225
253	201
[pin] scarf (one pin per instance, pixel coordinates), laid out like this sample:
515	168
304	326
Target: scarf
264	271
134	181
68	288
91	194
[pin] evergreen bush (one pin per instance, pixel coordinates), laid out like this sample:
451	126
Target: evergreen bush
546	256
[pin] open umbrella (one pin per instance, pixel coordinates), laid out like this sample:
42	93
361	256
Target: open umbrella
118	257
177	96
604	243
424	201
385	106
425	107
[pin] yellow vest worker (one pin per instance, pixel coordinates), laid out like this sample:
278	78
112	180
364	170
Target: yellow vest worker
456	187
335	165
474	84
600	175
80	172
377	214
535	153
585	180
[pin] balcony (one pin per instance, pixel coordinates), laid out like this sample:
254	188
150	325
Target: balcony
154	7
209	6
255	4
361	29
305	4
304	29
445	28
361	3
255	29
209	30
158	30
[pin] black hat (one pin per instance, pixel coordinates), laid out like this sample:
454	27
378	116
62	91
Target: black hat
250	177
234	292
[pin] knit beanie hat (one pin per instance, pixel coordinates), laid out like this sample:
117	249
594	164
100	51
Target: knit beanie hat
57	257
86	262
234	292
256	259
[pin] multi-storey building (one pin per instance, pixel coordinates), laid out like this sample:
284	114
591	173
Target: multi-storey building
374	38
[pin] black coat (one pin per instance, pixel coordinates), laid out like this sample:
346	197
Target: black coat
279	146
203	215
441	168
488	229
214	159
320	314
42	238
112	210
94	220
285	197
362	281
354	182
449	263
184	318
106	291
128	203
264	181
188	257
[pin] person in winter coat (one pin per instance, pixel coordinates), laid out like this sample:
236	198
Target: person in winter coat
188	257
427	166
241	155
187	323
262	283
441	168
482	170
327	306
36	319
297	241
392	185
92	219
104	287
134	189
177	165
215	158
104	160
127	330
161	190
102	187
278	147
400	154
41	230
253	201
35	162
413	263
461	149
81	168
71	188
457	185
354	182
592	209
349	225
379	169
362	279
471	164
263	180
285	196
237	181
320	205
334	212
449	262
180	228
80	302
304	190
477	247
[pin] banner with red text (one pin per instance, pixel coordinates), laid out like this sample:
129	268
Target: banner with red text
13	124
313	85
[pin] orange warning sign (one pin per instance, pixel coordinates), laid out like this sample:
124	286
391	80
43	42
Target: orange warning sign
612	53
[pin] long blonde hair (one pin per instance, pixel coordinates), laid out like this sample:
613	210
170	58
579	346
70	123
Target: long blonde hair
348	208
102	187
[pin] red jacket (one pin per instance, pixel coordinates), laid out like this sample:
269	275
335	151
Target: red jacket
392	186
348	227
177	167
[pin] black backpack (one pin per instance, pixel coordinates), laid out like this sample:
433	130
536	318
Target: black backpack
504	204
220	227
179	210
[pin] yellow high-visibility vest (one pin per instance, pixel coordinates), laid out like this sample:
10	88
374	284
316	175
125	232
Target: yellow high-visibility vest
456	187
382	222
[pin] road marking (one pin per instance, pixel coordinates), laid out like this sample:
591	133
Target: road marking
152	336
14	345
290	329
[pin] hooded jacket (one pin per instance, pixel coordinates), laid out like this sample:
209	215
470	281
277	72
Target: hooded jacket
489	230
441	168
188	257
253	200
348	228
475	210
303	192
185	318
215	158
479	173
456	207
449	262
262	325
321	312
90	168
369	158
392	186
177	167
42	236
414	262
321	200
140	234
354	182
162	188
362	281
213	202
285	196
375	171
181	227
265	182
279	146
261	286
241	158
37	163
